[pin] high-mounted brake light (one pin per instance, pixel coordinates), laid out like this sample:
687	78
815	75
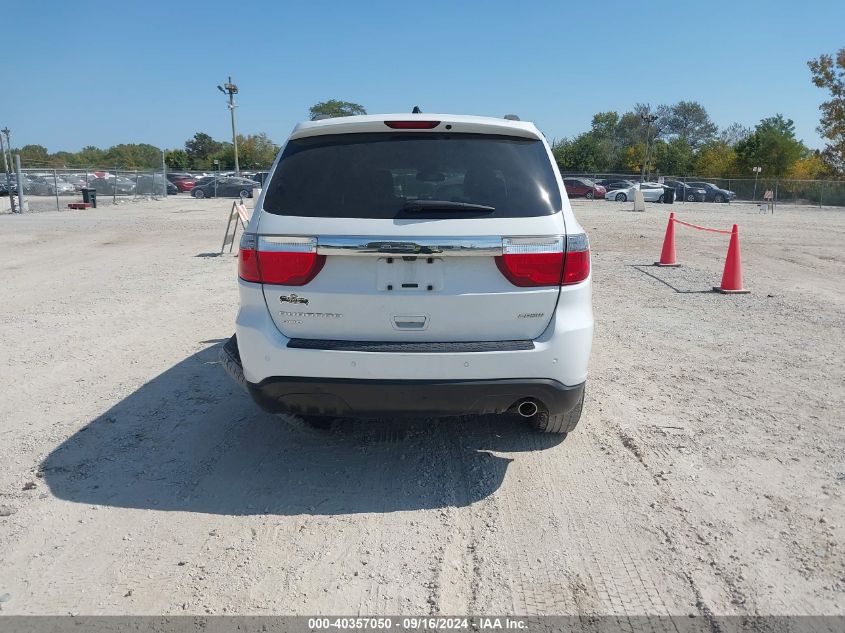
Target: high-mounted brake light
279	260
412	125
537	261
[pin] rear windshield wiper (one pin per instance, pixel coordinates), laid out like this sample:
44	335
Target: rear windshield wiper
445	205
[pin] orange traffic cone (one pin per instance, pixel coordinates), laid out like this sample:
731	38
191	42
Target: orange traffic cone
667	255
732	277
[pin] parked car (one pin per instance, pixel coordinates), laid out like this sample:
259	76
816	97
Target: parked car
685	191
183	182
110	185
615	183
712	193
489	312
152	184
33	185
583	187
40	184
652	192
260	177
227	187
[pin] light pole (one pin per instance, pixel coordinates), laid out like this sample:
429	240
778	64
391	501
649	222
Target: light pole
756	171
649	119
216	171
231	90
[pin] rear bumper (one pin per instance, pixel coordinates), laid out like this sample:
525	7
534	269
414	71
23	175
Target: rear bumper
408	398
397	398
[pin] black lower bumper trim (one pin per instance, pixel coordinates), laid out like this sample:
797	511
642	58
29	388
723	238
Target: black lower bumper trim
398	347
408	398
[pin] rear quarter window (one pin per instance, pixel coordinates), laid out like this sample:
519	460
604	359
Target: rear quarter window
374	175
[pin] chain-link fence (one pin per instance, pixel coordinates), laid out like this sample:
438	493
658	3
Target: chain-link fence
54	189
783	190
48	189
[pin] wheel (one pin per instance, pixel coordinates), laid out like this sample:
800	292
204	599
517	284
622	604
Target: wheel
621	197
589	195
691	198
719	198
564	423
198	193
246	193
661	198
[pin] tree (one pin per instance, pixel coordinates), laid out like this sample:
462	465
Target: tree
772	146
717	159
33	155
829	74
579	154
674	157
733	134
225	154
256	151
688	121
335	108
63	159
90	156
810	167
176	159
200	149
133	156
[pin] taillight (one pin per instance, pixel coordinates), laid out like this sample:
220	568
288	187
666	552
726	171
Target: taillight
412	125
531	261
248	258
576	267
279	260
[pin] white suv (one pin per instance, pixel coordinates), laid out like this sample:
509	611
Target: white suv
414	265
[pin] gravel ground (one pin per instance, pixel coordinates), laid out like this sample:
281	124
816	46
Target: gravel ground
706	477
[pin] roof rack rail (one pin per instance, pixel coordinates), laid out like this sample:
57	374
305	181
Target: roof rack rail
512	117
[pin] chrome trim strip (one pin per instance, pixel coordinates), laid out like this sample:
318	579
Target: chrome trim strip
484	246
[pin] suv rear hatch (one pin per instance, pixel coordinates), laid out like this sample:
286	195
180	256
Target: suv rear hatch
411	235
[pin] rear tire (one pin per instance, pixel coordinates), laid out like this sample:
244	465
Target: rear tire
559	424
246	194
661	198
198	193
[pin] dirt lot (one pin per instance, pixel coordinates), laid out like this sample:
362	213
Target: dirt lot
707	475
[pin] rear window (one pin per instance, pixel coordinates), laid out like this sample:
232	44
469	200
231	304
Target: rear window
375	175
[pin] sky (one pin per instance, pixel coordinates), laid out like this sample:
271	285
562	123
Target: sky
100	73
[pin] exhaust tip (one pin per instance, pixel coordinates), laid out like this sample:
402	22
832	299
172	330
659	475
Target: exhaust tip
527	408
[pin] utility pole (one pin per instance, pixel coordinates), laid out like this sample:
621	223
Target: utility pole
231	90
7	166
649	119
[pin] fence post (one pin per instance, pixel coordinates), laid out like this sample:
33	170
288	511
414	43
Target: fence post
21	192
56	189
775	199
821	193
114	187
